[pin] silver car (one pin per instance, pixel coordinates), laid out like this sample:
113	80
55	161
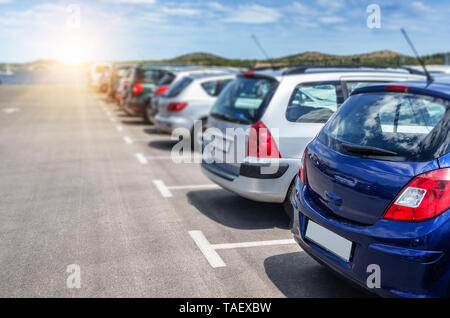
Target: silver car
175	75
288	107
188	100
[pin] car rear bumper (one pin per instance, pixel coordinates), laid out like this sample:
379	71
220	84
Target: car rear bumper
251	184
412	259
170	123
134	106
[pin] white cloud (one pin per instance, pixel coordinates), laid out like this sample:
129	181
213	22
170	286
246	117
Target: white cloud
180	11
132	1
253	14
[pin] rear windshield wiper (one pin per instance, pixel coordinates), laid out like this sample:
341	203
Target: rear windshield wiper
366	150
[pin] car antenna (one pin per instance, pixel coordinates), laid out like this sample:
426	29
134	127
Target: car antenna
429	77
262	50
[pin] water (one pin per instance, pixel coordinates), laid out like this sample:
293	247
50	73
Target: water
56	76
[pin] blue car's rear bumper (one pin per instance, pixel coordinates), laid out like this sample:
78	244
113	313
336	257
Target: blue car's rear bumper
413	257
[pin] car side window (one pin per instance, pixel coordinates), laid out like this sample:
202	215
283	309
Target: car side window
210	87
314	102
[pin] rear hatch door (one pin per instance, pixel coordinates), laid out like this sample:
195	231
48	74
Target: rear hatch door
374	145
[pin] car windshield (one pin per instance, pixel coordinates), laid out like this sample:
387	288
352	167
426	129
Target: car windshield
410	127
244	99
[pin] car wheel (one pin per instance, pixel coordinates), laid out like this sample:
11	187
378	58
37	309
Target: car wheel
145	117
196	136
287	205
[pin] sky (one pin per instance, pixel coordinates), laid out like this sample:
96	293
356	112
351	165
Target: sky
78	30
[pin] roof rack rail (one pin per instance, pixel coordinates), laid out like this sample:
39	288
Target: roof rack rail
304	68
269	67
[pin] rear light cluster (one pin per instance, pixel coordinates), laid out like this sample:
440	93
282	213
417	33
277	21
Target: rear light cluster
161	90
138	89
302	172
176	107
425	197
260	142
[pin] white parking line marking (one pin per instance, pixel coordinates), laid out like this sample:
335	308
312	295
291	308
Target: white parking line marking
11	110
160	185
166	193
128	140
252	244
207	249
158	157
119	128
196	186
214	259
141	158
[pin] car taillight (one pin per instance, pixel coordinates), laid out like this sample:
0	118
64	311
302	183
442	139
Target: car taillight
302	172
260	142
138	88
161	90
397	88
176	107
425	197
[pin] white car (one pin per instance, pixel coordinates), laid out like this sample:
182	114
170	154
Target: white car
99	76
189	100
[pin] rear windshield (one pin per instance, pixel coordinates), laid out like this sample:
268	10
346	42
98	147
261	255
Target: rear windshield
150	76
245	99
178	87
411	127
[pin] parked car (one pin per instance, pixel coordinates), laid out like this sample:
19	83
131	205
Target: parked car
189	100
294	102
174	76
122	89
374	188
118	71
99	76
141	86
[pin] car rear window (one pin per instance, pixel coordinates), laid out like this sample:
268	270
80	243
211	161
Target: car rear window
150	76
314	102
412	127
245	99
178	86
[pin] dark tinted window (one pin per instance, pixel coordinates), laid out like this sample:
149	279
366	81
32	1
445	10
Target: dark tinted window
244	99
211	87
150	76
415	127
314	102
177	87
167	79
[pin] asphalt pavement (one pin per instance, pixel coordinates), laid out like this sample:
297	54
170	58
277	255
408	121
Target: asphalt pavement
84	185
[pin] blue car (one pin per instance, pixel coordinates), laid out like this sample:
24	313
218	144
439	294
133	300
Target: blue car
372	197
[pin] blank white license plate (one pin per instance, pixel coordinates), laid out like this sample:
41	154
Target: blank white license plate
329	240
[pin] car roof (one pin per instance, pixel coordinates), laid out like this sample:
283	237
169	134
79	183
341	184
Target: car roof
201	76
439	88
321	69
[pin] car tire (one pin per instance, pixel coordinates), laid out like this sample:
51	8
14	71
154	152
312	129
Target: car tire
287	205
197	139
145	117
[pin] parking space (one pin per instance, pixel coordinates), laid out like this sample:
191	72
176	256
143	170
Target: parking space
137	223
